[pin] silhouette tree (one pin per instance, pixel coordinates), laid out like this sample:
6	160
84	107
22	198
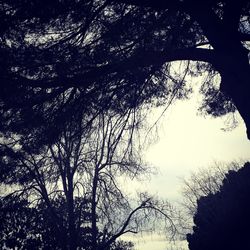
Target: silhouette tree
28	227
64	56
222	219
216	32
53	62
18	225
76	180
25	226
202	183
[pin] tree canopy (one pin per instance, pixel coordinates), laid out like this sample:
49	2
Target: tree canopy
218	33
222	218
97	63
62	58
26	226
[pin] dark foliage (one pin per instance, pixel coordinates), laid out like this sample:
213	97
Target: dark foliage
222	219
60	63
60	59
25	226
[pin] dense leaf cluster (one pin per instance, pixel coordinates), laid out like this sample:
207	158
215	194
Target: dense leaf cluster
25	226
68	57
222	219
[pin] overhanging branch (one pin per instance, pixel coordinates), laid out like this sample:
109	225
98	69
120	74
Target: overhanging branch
244	37
141	59
156	4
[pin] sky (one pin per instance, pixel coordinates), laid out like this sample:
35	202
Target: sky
187	142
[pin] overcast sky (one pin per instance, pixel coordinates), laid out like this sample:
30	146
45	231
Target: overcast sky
187	142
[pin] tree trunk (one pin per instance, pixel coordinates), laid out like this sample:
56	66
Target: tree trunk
235	75
71	217
93	211
232	58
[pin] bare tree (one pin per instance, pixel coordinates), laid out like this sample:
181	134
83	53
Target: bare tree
87	164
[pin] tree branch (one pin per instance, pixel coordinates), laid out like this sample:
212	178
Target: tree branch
156	4
244	37
141	59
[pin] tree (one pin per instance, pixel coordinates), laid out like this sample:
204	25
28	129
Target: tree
204	182
18	225
222	218
222	26
27	227
24	226
75	182
46	52
62	57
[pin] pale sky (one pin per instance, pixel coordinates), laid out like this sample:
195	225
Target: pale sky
186	143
